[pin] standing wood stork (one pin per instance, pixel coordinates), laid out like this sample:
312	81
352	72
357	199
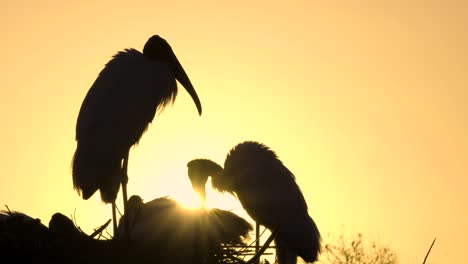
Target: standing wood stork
268	192
117	110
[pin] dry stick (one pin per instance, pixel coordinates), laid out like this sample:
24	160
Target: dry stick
108	235
245	248
100	229
429	251
9	212
73	218
75	222
262	250
118	211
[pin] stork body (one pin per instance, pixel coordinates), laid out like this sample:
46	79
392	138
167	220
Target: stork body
117	110
163	227
268	192
159	219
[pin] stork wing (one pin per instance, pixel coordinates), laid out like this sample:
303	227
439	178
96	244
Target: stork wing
114	114
271	196
125	92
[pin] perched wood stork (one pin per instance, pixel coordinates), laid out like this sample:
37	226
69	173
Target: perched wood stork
184	236
268	192
117	110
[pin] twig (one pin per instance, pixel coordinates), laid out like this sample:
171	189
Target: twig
245	248
118	211
100	229
75	221
262	250
9	212
109	235
429	251
73	216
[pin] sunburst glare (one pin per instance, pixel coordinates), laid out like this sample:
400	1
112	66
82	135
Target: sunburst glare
191	201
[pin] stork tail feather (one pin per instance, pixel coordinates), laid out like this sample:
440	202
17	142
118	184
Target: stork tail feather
92	173
284	254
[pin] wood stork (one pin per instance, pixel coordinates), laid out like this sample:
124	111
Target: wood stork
117	110
268	192
183	235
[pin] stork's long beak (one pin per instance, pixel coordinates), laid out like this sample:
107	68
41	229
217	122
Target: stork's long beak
199	186
200	189
182	77
198	182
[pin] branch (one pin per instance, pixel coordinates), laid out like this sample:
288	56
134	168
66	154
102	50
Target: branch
429	251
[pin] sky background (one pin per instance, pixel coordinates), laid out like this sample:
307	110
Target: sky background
364	101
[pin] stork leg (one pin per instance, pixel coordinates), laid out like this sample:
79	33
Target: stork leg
124	180
257	240
114	219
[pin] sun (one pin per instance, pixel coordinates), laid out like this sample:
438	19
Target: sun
179	188
191	201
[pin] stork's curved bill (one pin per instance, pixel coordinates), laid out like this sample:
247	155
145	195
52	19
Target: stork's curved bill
182	77
157	48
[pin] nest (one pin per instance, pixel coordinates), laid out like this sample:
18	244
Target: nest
159	231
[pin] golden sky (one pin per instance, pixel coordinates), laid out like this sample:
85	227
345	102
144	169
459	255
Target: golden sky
365	101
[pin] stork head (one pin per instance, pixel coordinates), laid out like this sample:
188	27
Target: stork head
156	48
199	170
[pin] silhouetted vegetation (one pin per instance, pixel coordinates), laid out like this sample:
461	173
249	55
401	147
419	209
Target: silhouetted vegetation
190	239
356	251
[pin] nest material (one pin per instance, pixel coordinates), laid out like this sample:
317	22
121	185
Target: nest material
175	235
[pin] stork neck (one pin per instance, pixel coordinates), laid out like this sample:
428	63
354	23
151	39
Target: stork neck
212	169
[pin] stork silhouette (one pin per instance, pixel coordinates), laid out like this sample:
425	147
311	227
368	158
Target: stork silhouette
164	225
117	110
268	192
148	220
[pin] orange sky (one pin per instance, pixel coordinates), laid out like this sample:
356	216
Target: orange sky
364	101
